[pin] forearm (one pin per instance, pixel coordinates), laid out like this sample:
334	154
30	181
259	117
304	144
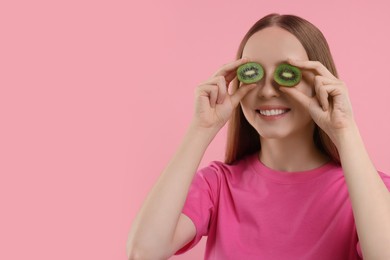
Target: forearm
368	194
157	219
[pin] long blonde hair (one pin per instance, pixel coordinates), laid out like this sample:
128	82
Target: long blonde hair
242	138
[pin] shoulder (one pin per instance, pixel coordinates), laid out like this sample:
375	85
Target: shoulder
218	170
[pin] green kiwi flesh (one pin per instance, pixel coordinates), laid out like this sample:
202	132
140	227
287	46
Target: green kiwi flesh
287	75
250	72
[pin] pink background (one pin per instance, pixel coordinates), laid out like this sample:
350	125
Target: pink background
96	96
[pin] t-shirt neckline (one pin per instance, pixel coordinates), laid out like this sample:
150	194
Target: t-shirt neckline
288	177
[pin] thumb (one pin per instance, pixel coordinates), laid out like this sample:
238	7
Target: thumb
310	103
298	96
240	93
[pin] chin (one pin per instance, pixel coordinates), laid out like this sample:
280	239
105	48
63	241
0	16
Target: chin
272	134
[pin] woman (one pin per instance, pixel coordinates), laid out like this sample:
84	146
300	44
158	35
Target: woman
296	183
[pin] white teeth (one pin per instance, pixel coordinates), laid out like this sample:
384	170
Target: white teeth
272	112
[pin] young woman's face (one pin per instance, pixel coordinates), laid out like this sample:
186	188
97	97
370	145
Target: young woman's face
270	47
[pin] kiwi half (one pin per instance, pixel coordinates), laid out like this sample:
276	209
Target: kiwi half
287	75
250	72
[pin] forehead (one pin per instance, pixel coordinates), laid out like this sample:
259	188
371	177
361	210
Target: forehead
273	45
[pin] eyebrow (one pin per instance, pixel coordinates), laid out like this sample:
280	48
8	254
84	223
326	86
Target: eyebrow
281	62
278	63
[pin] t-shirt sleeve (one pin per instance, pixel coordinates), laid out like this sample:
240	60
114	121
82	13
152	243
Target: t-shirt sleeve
386	180
200	203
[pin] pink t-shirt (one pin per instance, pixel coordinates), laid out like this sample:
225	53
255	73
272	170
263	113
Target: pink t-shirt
249	211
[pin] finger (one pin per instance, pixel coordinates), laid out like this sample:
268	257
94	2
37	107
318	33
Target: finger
314	66
230	76
212	91
303	99
208	91
326	80
230	67
222	89
321	90
309	76
220	82
240	93
322	95
212	81
206	95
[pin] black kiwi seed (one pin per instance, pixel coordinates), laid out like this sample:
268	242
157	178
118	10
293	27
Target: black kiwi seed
287	75
250	72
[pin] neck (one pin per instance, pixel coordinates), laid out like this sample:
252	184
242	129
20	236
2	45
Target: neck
292	153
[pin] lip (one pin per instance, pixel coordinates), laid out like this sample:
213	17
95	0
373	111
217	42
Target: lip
269	107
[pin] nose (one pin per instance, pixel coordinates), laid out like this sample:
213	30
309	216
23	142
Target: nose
268	88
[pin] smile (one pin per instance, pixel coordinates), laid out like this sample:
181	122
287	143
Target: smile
272	112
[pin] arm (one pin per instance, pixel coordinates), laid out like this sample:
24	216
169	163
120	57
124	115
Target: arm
331	109
369	196
154	226
155	232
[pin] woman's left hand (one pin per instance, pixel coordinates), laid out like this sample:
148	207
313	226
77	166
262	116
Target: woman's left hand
330	106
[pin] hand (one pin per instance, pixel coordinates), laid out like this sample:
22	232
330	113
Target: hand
213	103
330	106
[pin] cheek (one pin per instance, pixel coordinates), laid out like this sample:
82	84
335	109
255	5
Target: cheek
244	100
246	111
247	100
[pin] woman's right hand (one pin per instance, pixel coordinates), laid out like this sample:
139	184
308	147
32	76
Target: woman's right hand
213	103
